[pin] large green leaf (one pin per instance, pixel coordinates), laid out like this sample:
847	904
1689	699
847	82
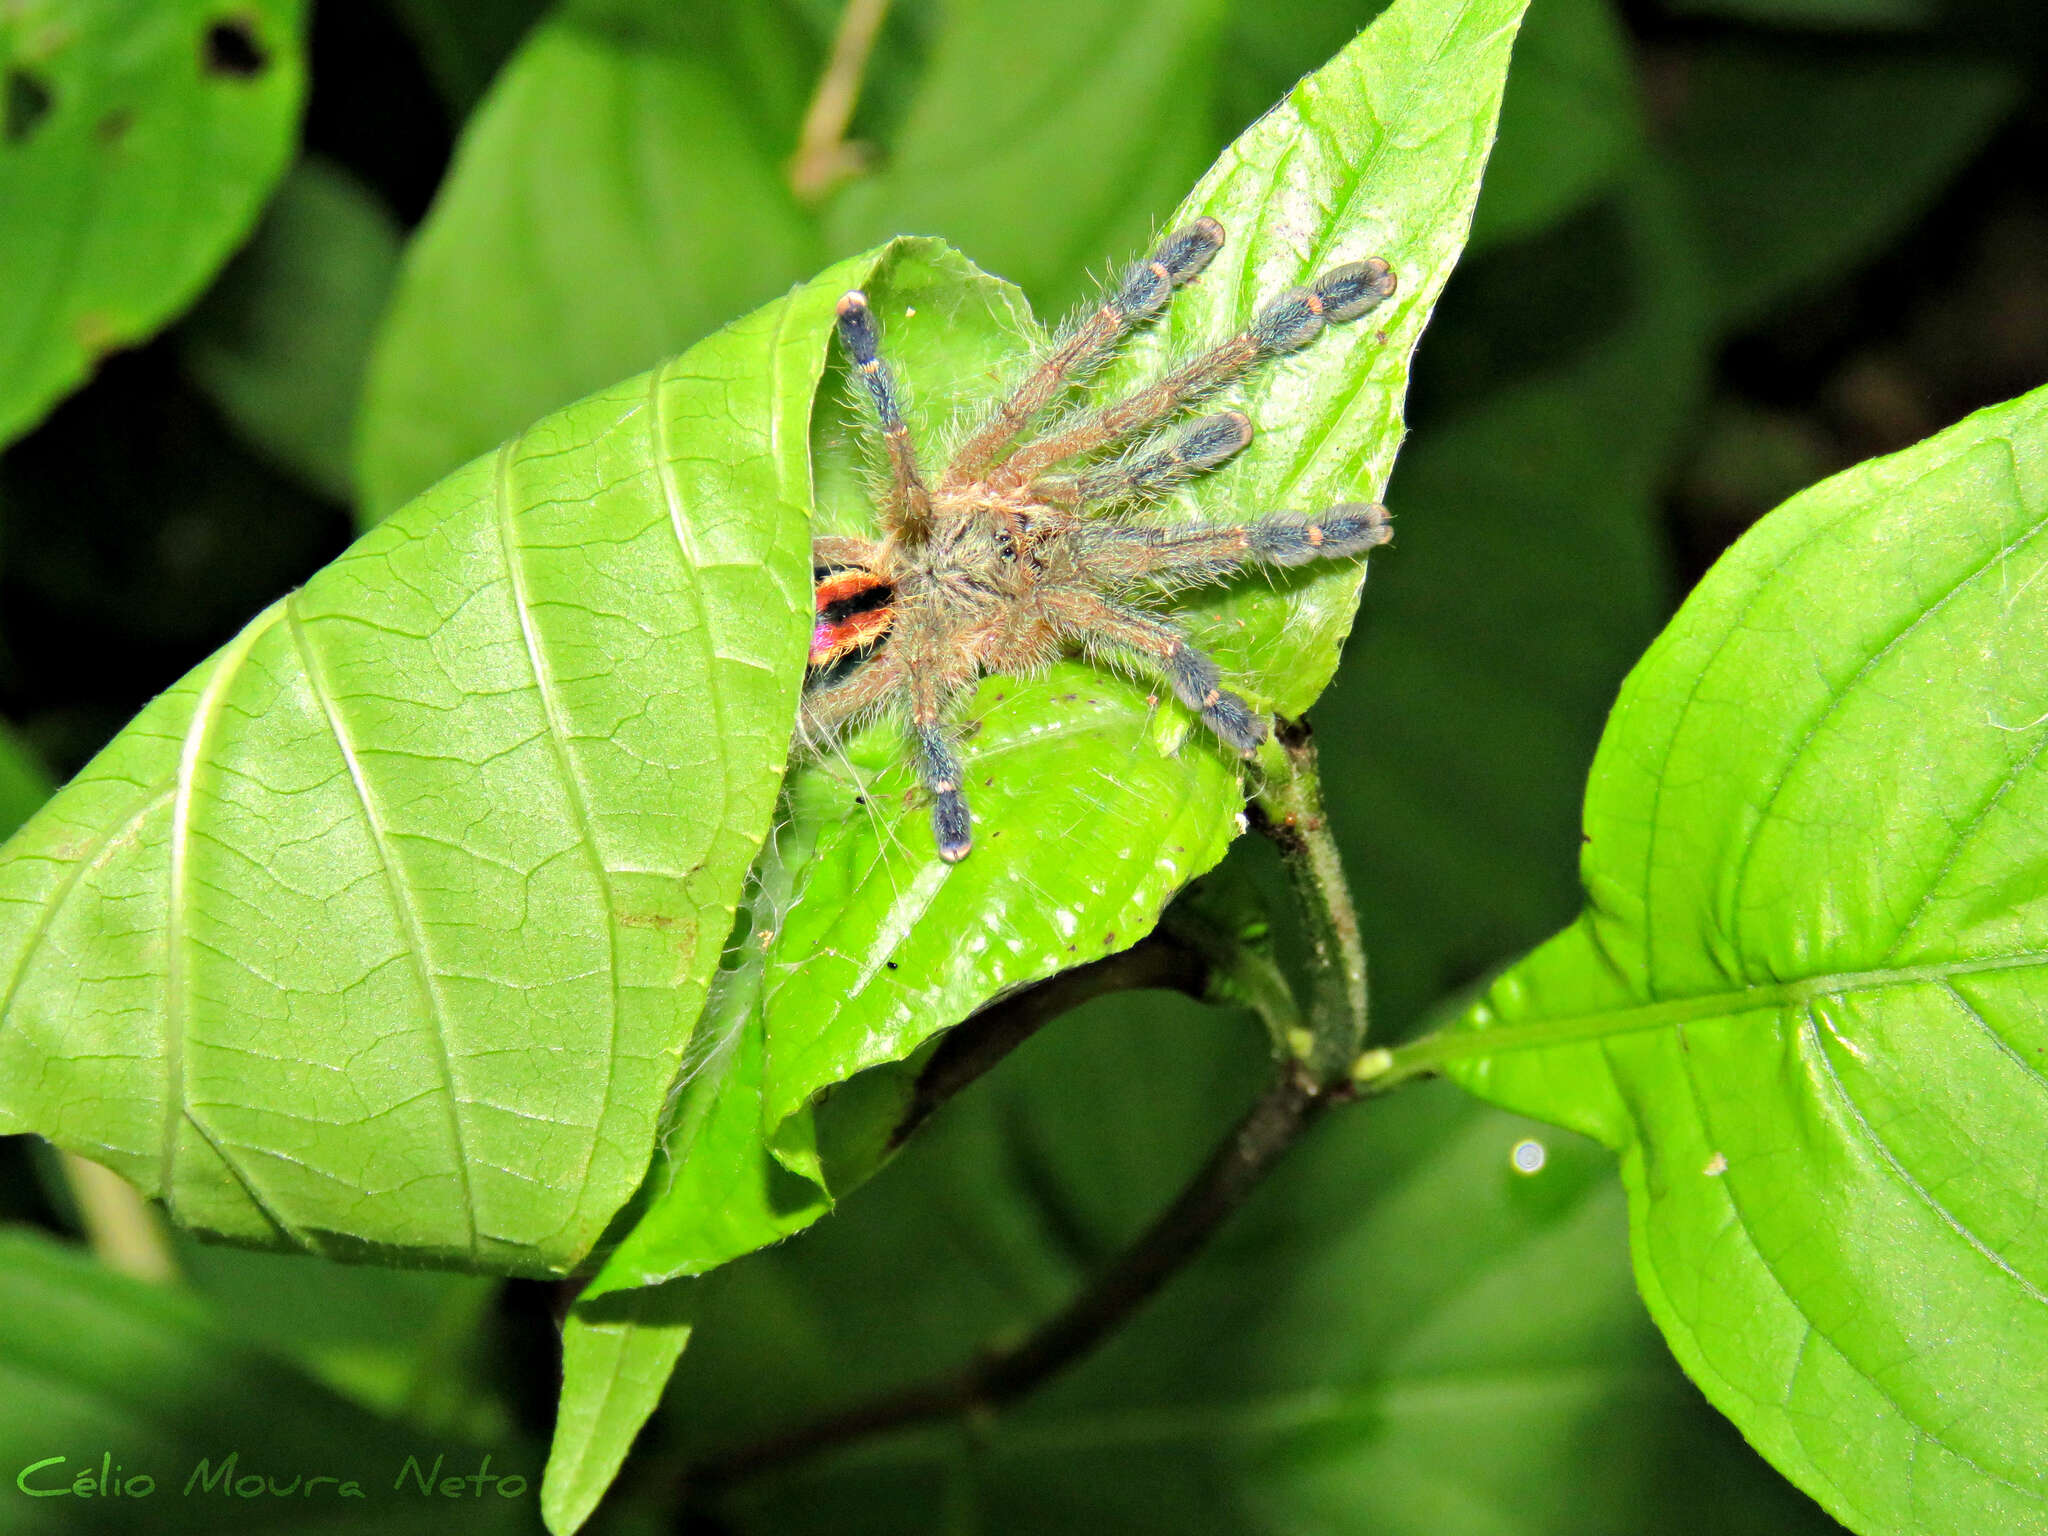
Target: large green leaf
616	196
1807	1001
108	1373
141	137
1400	1336
385	928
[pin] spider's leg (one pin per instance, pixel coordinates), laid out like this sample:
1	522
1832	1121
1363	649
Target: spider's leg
831	554
1196	553
1100	625
865	689
1288	322
909	512
933	680
1145	288
938	764
1155	468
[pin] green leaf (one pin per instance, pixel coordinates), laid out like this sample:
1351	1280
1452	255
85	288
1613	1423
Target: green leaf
384	929
612	200
104	1371
715	1190
1797	167
616	1358
1398	1336
141	137
282	340
1805	1004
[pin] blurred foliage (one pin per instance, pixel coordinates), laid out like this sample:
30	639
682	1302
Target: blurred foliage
1726	246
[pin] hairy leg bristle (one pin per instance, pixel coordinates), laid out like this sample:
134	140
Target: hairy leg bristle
1194	450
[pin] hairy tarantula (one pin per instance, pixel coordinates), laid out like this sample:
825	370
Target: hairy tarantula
1000	566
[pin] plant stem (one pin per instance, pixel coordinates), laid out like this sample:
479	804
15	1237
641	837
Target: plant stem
1289	810
1305	1084
823	157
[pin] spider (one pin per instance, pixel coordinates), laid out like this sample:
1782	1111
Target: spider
1006	562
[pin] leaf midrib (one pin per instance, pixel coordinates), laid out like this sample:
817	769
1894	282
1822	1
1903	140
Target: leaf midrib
1466	1043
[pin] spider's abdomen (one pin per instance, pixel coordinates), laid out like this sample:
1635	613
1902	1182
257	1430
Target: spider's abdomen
854	609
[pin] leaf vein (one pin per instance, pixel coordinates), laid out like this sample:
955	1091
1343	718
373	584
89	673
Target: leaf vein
572	785
1904	1175
401	903
205	713
1839	697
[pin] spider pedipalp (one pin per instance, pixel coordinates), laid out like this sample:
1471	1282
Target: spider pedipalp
1019	553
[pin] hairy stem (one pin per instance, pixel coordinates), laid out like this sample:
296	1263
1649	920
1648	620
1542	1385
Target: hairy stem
1289	810
823	157
1313	1074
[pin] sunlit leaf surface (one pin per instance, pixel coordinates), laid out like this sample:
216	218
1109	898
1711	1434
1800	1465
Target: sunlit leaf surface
1807	1001
386	927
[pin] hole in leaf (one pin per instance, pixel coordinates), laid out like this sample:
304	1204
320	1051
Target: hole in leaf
232	48
29	101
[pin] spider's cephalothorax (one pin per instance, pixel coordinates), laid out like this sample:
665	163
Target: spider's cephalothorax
1008	562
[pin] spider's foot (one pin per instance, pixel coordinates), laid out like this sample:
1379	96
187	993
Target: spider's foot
951	825
1350	529
1354	288
1234	720
1200	686
1181	255
1298	316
